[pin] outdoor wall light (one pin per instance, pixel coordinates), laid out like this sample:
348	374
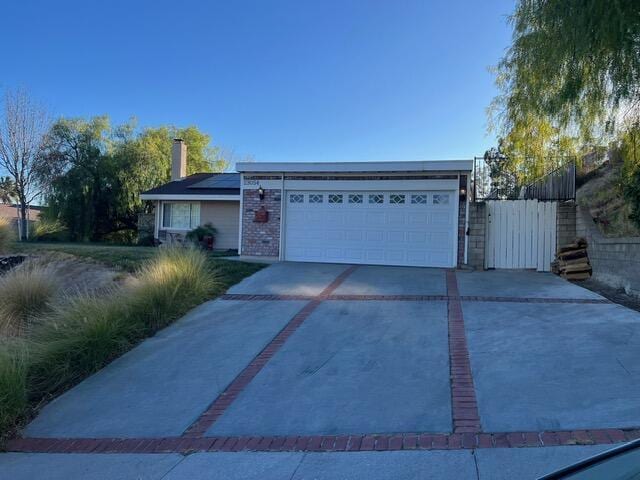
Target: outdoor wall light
463	193
260	192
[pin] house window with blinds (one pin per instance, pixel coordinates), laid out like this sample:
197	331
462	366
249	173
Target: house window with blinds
181	215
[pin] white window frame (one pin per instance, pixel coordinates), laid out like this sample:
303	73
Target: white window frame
191	215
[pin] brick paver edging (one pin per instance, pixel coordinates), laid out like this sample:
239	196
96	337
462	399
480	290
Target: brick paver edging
419	298
464	408
227	397
325	443
245	297
589	301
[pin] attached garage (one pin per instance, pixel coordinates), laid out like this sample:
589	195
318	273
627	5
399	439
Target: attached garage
388	213
372	227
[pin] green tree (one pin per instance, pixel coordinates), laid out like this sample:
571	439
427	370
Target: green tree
629	146
79	177
8	192
97	172
154	147
571	61
535	147
504	182
528	151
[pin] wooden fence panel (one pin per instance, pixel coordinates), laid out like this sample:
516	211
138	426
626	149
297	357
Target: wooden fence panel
521	234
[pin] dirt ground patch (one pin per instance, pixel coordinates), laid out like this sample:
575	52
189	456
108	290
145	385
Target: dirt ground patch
77	275
616	295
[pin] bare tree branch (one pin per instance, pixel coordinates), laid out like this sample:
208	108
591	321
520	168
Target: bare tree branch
23	128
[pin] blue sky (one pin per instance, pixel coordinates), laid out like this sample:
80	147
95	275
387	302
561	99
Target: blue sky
278	80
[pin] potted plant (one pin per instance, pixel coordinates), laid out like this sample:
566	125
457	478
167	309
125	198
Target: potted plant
204	235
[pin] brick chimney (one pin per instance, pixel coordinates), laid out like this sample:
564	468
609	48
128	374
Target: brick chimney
178	159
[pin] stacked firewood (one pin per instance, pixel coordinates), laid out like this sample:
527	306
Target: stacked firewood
572	261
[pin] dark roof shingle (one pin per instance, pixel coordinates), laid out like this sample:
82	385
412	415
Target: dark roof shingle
201	184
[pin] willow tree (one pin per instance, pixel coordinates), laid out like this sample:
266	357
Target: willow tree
96	172
573	62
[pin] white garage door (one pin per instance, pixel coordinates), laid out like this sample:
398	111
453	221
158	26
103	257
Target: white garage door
383	228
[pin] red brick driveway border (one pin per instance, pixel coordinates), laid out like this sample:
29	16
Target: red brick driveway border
419	298
325	443
228	396
464	408
467	432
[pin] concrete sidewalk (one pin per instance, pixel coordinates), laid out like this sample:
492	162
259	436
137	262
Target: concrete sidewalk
484	464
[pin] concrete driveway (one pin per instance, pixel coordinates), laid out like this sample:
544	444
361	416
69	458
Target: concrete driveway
332	371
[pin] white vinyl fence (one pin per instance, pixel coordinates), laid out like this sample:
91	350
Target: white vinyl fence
520	234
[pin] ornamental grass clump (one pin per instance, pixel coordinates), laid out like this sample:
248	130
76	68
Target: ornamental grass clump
13	386
79	334
174	281
26	292
7	234
78	338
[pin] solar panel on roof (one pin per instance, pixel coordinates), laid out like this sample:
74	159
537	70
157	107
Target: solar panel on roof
224	180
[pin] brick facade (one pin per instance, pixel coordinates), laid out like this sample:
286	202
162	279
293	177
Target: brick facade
261	239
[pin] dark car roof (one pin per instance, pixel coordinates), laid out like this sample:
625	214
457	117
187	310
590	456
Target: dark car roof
201	184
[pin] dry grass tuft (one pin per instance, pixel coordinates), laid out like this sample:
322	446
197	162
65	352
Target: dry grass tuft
171	283
78	338
13	386
7	234
26	292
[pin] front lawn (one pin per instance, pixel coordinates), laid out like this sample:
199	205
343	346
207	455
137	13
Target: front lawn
48	349
128	258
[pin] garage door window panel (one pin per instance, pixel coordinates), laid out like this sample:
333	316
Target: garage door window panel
355	198
396	199
376	199
441	199
418	199
296	198
316	198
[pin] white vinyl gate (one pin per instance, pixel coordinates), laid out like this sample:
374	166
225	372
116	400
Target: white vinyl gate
520	234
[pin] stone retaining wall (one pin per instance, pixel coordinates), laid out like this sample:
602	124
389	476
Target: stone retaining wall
615	261
565	223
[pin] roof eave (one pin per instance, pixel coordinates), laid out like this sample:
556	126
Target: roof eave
192	197
355	167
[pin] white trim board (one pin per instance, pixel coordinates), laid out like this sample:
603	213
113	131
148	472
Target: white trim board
342	167
361	185
369	185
